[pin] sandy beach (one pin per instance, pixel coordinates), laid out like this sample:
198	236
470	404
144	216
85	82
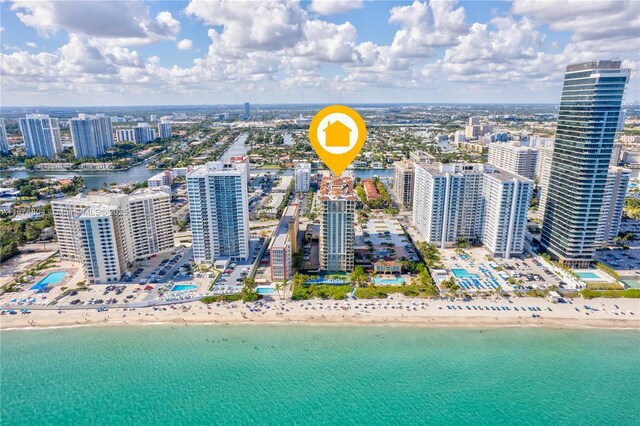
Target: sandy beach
399	311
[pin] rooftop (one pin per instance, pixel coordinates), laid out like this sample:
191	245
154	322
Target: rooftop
282	233
336	188
217	167
370	189
595	65
460	169
404	165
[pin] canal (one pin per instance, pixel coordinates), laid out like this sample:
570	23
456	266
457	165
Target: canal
138	173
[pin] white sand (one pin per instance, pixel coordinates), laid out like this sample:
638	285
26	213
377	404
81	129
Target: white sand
408	311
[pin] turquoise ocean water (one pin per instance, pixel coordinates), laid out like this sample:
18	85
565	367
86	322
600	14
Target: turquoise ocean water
319	375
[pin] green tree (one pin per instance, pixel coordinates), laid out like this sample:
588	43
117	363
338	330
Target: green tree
358	277
248	290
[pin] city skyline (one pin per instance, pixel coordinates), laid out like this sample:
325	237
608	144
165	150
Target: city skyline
373	52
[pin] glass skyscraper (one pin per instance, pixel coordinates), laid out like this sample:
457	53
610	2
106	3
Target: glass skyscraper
587	121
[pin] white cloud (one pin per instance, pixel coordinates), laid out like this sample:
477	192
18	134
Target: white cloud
426	26
122	22
281	48
503	50
31	44
270	25
327	42
185	44
587	20
334	7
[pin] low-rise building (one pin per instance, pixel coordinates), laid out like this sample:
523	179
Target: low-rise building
387	267
53	166
97	166
161	179
370	189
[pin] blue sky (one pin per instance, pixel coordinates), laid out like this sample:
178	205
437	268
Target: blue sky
205	52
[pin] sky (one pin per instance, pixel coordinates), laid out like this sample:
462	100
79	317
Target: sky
129	52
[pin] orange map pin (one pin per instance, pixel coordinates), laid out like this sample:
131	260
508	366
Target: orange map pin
337	134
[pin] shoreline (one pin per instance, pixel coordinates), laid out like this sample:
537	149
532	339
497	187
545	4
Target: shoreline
79	319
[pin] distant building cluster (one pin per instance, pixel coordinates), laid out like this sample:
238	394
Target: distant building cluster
91	135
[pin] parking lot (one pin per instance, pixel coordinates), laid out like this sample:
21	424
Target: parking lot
160	269
530	273
109	294
625	262
387	238
237	271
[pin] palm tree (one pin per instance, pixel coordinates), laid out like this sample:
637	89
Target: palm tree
358	277
280	287
248	291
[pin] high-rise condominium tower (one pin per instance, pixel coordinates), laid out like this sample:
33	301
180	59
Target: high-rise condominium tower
337	213
143	133
4	141
164	130
106	233
403	176
91	135
514	158
612	205
219	211
302	177
587	122
474	202
543	173
41	135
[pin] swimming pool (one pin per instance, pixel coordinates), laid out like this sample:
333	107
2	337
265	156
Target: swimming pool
265	290
52	278
388	281
588	275
183	287
462	273
329	281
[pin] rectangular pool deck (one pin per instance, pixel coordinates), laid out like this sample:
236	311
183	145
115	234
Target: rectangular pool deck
51	278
